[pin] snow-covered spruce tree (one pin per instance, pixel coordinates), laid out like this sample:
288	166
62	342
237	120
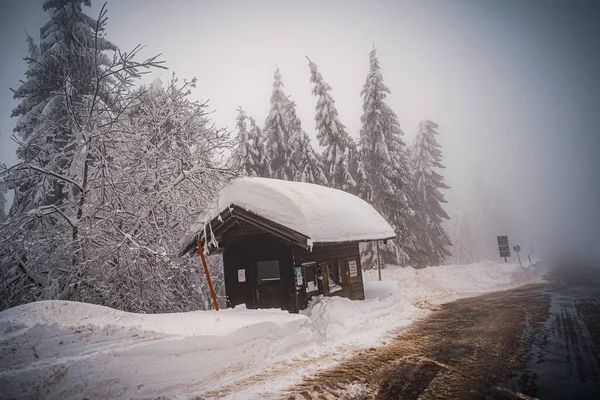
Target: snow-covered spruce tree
305	163
308	163
331	134
246	154
277	132
386	163
60	81
259	141
250	156
357	171
70	105
432	239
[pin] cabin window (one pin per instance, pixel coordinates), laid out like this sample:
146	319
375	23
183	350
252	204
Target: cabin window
268	271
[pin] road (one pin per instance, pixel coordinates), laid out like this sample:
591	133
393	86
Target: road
563	359
539	341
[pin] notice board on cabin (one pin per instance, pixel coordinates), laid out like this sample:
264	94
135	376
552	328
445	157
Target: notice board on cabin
352	268
241	275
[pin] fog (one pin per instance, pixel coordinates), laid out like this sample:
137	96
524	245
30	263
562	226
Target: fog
514	86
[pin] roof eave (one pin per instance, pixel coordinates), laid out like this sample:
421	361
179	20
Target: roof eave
315	242
222	223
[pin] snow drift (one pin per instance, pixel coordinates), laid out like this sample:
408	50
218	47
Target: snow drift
61	349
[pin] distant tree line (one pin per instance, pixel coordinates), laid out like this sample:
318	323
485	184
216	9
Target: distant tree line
110	173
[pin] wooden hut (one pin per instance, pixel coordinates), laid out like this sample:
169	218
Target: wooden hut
284	242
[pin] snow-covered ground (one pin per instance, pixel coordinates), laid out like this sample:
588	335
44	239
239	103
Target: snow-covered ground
60	349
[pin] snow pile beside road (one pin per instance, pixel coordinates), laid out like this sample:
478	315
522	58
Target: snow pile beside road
437	285
61	349
404	295
338	320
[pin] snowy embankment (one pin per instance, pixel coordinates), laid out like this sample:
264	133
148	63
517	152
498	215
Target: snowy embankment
59	349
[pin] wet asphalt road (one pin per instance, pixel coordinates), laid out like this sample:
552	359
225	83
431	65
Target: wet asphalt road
539	341
563	360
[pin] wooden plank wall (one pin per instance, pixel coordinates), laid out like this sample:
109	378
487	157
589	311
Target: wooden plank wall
245	250
352	287
244	254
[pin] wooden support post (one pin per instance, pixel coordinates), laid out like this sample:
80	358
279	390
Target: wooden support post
378	262
210	286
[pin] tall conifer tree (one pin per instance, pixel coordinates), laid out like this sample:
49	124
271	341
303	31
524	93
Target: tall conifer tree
277	131
246	153
386	163
59	87
305	164
332	135
251	153
432	239
262	162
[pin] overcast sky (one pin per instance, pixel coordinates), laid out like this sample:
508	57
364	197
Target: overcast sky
514	85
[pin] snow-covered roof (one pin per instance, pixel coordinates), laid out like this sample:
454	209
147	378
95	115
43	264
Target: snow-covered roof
322	214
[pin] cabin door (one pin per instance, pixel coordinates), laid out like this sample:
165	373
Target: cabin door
268	291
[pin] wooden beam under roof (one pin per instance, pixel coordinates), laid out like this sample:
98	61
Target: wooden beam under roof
227	219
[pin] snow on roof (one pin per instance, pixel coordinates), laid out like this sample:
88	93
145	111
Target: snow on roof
322	214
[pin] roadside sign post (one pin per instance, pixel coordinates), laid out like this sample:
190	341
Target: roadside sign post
504	247
517	249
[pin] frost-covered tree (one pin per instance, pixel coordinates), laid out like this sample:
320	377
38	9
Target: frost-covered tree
331	134
386	164
166	164
72	102
305	164
308	164
247	152
261	151
277	131
432	239
2	203
357	171
290	155
251	155
65	74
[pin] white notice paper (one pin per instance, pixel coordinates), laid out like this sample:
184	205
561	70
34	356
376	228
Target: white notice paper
241	275
352	268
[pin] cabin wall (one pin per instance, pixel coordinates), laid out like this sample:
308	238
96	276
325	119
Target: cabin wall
237	292
330	271
243	255
337	259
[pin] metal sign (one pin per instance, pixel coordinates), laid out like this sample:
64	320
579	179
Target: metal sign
517	249
503	246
